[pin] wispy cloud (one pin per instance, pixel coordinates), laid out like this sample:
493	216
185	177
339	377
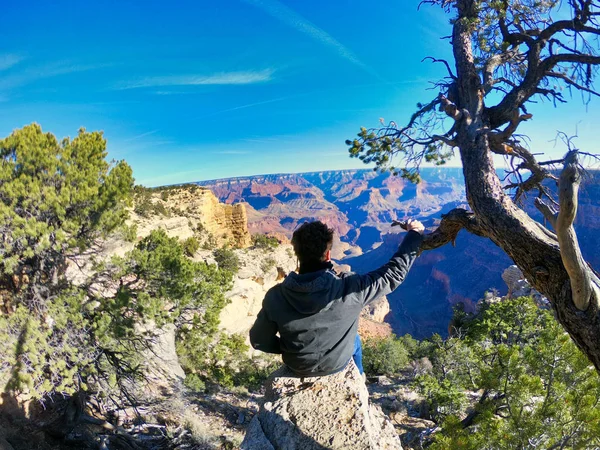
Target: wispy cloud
34	74
140	136
232	152
223	78
9	60
291	18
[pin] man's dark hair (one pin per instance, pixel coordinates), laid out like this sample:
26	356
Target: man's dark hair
311	241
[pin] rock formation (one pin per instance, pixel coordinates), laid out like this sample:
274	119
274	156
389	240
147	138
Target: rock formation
251	284
193	206
319	413
518	286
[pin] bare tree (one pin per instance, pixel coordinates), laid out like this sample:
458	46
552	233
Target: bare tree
517	51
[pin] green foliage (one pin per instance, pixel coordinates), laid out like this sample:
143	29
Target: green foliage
56	197
537	390
253	372
194	382
267	264
190	246
58	200
84	340
264	242
210	242
385	356
145	206
227	259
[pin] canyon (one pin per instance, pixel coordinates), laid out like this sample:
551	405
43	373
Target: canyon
360	206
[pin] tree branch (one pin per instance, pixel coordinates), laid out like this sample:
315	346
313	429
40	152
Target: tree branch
548	211
583	284
448	229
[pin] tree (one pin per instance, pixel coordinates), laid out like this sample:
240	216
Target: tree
190	246
506	55
57	199
384	356
227	259
531	387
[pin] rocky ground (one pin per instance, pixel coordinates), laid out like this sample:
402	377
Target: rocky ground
222	417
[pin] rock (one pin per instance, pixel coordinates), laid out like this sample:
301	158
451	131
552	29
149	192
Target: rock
518	286
378	310
318	413
382	380
251	284
412	429
369	329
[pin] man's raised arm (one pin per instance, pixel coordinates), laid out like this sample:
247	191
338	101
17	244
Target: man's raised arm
388	277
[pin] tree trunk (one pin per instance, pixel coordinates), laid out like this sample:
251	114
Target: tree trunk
534	249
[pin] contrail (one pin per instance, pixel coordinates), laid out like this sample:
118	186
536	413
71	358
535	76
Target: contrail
291	18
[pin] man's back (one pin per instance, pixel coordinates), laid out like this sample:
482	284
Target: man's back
316	313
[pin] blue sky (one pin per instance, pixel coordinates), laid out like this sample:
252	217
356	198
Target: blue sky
200	90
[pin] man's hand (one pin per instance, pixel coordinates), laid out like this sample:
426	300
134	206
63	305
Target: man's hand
410	224
414	225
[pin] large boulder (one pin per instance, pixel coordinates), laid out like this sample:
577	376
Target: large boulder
318	413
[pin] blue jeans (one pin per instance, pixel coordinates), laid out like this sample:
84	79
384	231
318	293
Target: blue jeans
357	356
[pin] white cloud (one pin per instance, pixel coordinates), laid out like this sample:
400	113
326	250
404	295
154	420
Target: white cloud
9	60
34	74
223	78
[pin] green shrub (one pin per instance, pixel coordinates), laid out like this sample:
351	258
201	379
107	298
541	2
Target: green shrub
190	246
194	382
210	242
267	264
384	356
227	259
253	372
264	242
144	206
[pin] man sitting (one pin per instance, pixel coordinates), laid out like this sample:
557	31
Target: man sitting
316	311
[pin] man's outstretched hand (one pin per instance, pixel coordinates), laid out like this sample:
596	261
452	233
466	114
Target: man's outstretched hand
409	225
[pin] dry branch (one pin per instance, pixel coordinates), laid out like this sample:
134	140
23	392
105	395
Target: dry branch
584	288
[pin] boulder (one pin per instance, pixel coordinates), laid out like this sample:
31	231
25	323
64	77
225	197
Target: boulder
317	413
518	286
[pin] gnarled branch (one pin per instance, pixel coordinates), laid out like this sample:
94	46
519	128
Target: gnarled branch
584	285
448	229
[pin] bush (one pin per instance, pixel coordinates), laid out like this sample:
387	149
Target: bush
253	372
210	243
264	242
144	206
267	264
227	259
194	382
384	356
190	246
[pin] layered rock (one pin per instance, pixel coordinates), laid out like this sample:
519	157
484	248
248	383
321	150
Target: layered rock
317	413
192	206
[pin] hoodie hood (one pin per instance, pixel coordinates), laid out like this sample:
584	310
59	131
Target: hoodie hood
311	292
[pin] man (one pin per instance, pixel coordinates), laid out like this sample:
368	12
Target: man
316	311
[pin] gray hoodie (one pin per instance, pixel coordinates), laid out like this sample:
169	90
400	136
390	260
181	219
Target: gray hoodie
316	314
